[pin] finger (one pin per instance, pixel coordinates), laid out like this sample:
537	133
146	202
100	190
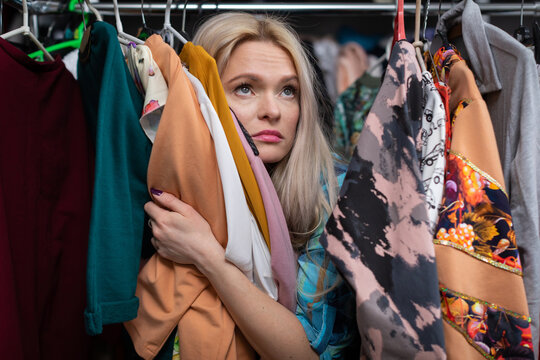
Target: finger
154	211
170	202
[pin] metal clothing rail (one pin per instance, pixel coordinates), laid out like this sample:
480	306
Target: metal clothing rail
530	8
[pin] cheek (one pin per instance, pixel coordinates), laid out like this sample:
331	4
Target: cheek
243	112
291	121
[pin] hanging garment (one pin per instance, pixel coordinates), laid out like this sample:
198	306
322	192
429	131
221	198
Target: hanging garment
45	199
151	85
10	330
352	63
378	235
328	317
482	294
512	99
433	135
183	163
351	110
326	50
283	258
112	107
245	245
204	68
70	61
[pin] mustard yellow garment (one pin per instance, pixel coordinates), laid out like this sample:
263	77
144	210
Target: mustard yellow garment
183	162
203	67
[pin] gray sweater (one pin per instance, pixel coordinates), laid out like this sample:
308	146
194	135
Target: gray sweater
506	75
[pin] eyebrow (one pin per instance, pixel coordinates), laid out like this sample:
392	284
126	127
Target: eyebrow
253	77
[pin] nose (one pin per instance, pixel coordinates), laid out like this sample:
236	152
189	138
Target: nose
268	108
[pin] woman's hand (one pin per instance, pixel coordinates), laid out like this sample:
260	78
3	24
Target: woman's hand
184	236
180	233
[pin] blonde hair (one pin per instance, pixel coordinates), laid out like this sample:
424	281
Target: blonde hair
298	176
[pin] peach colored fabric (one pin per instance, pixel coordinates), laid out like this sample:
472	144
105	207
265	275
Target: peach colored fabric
474	138
204	68
457	346
352	63
473	277
183	162
473	134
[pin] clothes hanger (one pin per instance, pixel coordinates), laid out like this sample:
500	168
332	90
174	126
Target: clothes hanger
399	26
93	10
123	38
25	30
167	24
522	33
183	30
75	43
385	56
145	32
418	45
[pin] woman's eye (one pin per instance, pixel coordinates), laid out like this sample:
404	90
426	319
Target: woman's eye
243	90
289	91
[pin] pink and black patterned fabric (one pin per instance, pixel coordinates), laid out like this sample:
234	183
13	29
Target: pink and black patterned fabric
379	236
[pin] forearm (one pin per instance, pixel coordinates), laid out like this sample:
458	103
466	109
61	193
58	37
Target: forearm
273	331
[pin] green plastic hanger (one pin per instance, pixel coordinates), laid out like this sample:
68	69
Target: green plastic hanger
75	43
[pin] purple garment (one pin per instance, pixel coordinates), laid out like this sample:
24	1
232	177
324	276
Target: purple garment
283	259
379	236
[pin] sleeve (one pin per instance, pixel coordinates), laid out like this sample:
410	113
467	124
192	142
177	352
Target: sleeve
326	312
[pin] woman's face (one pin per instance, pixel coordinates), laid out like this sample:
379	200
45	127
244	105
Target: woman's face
262	88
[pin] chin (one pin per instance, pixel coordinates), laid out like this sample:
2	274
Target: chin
270	157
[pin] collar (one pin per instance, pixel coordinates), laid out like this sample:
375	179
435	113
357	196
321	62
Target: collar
480	58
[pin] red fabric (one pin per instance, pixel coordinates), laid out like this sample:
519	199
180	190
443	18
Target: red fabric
45	191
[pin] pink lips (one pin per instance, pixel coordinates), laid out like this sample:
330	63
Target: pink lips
268	136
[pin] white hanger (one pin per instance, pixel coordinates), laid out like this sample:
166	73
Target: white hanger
385	56
418	45
25	30
93	10
122	36
167	23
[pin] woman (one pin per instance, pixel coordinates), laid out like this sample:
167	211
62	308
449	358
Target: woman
269	85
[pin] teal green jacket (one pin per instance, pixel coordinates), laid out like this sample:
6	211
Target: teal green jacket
112	107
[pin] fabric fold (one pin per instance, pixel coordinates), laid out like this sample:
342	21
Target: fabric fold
246	247
283	259
201	65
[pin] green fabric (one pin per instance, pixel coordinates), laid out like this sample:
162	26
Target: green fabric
351	110
112	107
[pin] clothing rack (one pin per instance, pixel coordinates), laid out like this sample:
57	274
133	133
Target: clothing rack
530	8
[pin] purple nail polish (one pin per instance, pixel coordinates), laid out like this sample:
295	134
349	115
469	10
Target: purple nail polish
156	192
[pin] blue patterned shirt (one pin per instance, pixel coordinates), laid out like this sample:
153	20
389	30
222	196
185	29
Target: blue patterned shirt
328	319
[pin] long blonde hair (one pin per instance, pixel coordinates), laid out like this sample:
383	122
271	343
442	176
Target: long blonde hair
299	177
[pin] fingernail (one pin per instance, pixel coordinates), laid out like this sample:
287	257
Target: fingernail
156	192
